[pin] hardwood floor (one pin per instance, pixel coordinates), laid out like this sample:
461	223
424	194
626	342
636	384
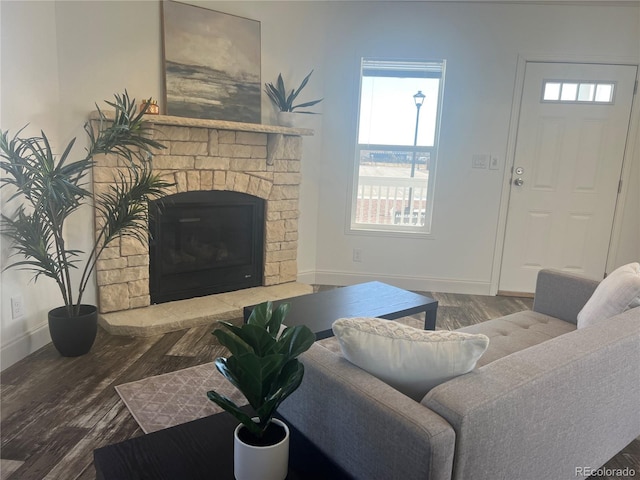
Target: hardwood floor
55	411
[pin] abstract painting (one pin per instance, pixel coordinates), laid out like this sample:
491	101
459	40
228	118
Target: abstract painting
212	64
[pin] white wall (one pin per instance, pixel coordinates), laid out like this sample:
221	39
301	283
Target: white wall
627	247
58	58
481	44
30	94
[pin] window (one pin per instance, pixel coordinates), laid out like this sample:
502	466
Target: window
397	143
578	92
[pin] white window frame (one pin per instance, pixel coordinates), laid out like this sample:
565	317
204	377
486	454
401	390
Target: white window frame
431	151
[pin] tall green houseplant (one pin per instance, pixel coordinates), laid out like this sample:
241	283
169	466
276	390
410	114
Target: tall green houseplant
52	188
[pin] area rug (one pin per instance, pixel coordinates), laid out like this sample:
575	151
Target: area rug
181	396
177	397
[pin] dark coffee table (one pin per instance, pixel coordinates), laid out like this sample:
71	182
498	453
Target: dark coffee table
201	449
372	299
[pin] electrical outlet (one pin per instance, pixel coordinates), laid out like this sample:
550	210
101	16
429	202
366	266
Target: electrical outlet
357	255
17	307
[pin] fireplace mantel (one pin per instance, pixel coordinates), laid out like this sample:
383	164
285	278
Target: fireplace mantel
215	124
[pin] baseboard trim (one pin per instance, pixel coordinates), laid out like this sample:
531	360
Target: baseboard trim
307	277
26	344
443	285
506	293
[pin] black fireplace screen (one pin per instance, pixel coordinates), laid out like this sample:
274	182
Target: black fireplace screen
203	243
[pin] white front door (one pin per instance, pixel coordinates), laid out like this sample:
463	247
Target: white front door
569	149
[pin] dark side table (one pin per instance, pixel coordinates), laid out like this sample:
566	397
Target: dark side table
201	449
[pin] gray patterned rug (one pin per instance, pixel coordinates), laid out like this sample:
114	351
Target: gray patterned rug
181	396
177	397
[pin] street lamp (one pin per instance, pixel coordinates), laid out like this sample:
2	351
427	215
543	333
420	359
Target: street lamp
418	99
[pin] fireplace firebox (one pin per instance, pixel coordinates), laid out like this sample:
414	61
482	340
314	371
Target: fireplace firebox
205	242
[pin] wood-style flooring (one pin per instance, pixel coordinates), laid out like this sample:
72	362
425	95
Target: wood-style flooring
55	411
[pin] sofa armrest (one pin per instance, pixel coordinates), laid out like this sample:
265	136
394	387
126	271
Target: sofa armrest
369	429
562	295
547	410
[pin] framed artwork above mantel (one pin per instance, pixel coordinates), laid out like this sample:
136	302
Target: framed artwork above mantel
211	64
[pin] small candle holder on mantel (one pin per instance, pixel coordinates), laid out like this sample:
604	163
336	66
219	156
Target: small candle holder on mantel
153	109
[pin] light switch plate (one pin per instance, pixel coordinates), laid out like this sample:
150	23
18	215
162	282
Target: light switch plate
480	160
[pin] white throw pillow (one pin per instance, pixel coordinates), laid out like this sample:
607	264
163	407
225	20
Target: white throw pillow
412	361
618	292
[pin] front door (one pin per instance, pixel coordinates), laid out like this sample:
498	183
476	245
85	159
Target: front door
568	158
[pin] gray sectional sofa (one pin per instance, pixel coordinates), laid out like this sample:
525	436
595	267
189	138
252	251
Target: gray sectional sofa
546	401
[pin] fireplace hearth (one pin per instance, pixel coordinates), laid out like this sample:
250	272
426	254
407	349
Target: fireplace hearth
204	242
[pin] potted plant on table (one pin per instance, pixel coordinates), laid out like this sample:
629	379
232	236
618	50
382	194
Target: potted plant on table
283	100
52	189
263	365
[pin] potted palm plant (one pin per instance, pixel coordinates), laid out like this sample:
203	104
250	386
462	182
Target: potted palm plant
52	189
264	367
284	100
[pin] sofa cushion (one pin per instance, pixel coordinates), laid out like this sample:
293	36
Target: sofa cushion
618	292
516	332
409	359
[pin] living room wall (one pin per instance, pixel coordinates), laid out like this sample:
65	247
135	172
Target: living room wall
481	43
58	58
30	94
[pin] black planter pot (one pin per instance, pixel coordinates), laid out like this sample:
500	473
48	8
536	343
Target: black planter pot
73	336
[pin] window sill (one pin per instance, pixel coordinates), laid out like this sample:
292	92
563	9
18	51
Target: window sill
391	232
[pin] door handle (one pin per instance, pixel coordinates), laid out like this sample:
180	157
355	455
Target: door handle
518	182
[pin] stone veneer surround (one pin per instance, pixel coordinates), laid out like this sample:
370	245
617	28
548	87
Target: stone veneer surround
260	160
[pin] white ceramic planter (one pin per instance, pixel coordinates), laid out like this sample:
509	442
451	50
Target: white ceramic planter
287	119
261	463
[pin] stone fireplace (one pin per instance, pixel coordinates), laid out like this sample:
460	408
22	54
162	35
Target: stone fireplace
262	161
